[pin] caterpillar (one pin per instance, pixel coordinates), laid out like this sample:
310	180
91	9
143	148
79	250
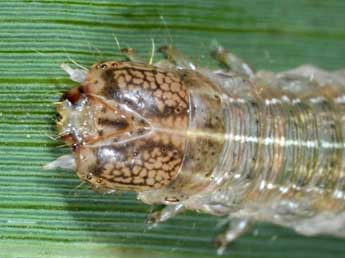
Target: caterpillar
243	144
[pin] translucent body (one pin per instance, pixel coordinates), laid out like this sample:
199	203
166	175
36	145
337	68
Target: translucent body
247	146
281	155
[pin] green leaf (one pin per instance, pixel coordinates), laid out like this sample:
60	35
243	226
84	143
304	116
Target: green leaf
44	213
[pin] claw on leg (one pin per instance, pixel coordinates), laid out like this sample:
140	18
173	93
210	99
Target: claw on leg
175	56
132	55
231	61
235	228
163	215
77	75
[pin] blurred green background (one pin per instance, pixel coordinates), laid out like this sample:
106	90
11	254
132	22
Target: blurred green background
43	213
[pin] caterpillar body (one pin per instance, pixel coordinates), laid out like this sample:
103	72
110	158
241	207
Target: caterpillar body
249	146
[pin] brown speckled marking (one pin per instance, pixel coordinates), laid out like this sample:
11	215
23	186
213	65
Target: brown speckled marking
142	164
134	115
157	91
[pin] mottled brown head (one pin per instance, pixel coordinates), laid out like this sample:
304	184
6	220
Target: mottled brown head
127	125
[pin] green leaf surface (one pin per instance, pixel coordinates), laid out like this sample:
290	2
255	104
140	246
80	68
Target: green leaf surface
44	213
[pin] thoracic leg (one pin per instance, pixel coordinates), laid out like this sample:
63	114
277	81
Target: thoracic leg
177	57
64	162
77	75
132	55
174	58
164	214
231	61
236	227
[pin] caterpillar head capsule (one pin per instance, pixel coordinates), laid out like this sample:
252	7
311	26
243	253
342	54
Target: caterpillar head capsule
124	123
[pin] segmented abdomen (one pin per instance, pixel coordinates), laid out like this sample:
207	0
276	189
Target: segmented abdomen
287	156
289	145
271	148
